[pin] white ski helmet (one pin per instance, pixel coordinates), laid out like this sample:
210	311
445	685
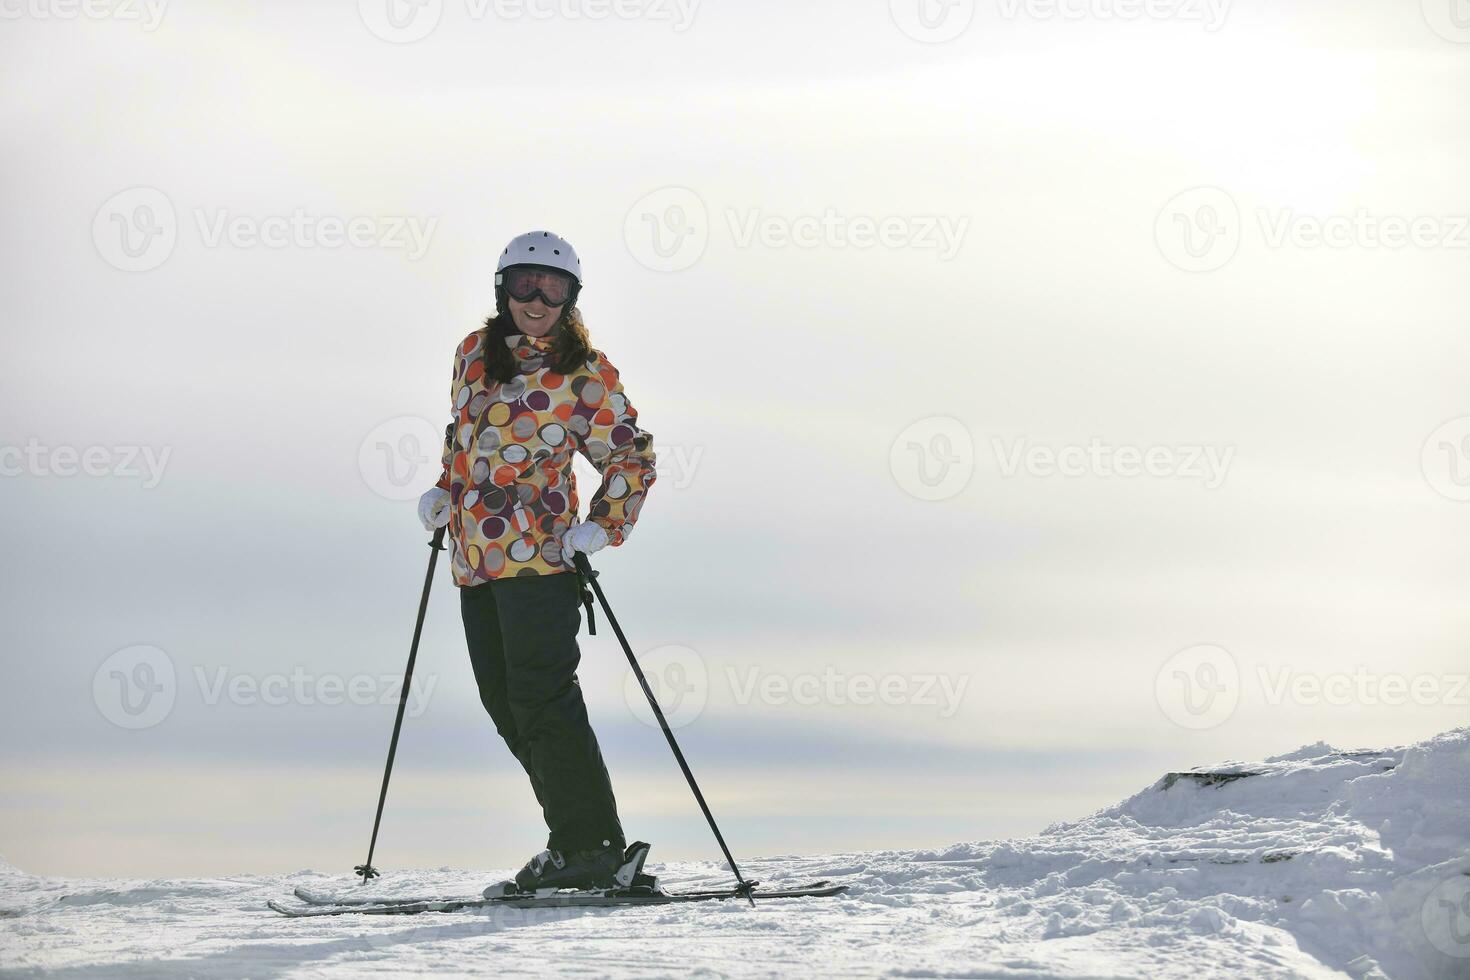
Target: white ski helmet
540	248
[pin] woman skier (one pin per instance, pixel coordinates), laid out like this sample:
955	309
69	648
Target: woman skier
529	391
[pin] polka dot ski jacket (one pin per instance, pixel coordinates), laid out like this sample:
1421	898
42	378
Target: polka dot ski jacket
508	459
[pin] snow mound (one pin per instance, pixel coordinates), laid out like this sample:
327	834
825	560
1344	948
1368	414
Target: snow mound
1361	858
1314	864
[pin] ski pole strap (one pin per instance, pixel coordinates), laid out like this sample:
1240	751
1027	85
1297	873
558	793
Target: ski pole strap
587	601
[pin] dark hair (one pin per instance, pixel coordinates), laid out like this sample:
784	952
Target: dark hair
570	346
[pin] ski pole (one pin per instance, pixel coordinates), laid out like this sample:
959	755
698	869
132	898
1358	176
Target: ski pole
366	871
588	575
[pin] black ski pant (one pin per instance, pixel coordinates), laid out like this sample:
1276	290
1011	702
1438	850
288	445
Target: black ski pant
522	636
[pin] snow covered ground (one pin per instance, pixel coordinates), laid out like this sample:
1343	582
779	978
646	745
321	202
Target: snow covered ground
1320	863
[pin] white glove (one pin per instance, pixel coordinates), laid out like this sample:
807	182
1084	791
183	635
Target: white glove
585	537
434	508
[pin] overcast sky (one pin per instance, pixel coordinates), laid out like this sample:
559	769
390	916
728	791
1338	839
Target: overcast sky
1043	399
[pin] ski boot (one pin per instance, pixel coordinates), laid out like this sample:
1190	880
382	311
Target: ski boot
600	869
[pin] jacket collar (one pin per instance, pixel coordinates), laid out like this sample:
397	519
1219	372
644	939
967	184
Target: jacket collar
538	345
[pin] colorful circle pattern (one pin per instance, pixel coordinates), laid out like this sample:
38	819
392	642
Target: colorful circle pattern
508	459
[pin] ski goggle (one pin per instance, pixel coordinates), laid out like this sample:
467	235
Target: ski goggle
525	283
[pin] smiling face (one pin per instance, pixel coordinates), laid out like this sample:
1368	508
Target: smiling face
535	318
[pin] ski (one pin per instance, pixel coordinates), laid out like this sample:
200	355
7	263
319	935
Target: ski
323	898
564	899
